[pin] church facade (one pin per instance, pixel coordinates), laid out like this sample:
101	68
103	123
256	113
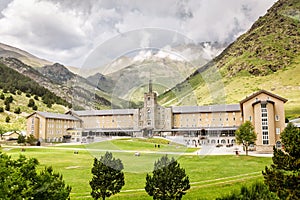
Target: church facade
198	125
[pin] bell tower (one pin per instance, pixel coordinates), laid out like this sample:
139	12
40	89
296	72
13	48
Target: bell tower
148	111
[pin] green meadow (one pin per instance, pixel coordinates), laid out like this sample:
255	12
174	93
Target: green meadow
210	176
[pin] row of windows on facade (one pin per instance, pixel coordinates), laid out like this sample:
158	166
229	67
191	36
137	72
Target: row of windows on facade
206	119
203	125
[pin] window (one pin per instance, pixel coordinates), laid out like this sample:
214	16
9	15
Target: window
277	130
277	118
250	118
264	124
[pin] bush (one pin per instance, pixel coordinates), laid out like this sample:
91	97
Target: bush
17	110
1	109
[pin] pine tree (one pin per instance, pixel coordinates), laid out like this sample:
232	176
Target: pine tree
31	103
17	110
168	180
34	107
7	107
20	179
245	135
7	119
283	177
108	178
255	191
21	139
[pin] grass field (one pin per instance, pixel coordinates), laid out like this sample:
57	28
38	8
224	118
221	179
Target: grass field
210	176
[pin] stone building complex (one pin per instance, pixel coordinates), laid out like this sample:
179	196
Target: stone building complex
198	125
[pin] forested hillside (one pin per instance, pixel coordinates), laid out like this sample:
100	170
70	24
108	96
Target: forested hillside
20	96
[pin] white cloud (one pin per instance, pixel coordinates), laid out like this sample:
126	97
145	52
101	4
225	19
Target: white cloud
68	30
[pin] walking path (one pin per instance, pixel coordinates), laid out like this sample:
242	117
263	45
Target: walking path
204	151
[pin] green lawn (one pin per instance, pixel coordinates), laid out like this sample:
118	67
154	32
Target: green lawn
210	176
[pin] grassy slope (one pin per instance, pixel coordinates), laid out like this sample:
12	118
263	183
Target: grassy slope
266	57
18	121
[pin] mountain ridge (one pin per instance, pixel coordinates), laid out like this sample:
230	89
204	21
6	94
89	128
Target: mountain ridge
24	56
265	57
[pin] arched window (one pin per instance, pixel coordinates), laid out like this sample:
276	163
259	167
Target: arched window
233	141
223	141
213	141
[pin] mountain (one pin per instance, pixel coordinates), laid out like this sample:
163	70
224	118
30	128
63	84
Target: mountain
70	87
128	76
25	57
57	73
20	90
192	53
267	57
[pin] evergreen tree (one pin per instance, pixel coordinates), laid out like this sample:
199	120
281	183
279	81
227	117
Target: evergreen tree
9	99
31	103
19	179
168	180
34	107
283	177
108	178
7	119
245	135
21	139
31	140
7	107
17	110
255	191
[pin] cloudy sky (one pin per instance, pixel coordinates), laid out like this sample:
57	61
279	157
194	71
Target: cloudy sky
67	31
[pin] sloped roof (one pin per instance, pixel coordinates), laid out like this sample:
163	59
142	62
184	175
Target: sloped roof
206	109
10	133
82	113
265	92
49	115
